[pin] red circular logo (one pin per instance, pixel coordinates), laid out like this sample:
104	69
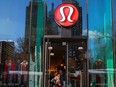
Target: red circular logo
66	15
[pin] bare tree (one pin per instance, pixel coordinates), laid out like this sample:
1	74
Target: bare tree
21	49
20	45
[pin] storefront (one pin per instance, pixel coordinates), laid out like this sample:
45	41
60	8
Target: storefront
92	33
68	43
69	56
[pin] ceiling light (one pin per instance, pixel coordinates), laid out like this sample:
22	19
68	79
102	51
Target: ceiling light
51	54
50	48
80	48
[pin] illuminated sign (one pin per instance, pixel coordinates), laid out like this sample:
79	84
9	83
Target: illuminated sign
66	15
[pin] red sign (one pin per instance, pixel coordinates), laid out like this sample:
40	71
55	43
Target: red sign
66	15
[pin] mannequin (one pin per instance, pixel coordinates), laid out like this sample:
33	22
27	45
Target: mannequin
9	66
24	71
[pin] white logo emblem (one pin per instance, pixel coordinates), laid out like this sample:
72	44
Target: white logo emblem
69	15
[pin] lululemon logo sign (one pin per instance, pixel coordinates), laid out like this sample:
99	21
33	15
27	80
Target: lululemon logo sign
66	15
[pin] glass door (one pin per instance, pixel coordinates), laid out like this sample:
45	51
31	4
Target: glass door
65	61
55	70
76	65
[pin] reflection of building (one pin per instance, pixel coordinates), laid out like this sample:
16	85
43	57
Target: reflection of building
76	30
31	37
6	51
52	28
66	1
31	26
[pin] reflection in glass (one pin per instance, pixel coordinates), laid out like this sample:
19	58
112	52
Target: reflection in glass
100	43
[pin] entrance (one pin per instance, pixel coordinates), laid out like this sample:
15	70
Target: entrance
65	63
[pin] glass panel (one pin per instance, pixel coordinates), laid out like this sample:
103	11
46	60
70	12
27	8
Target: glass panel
100	43
13	63
26	26
77	64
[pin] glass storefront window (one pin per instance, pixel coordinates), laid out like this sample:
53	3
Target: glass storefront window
36	51
100	43
13	64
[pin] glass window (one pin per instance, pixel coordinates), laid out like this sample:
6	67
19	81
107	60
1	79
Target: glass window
38	51
100	43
